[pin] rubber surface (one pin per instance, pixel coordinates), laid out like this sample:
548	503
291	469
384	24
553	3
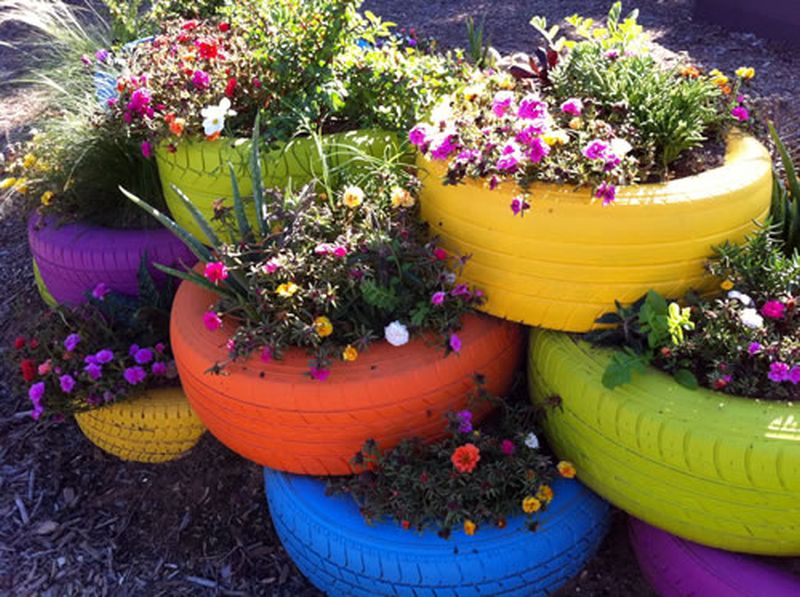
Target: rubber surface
200	168
157	426
678	568
564	263
715	469
43	292
74	258
276	415
340	554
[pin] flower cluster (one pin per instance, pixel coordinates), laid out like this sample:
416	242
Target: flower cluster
473	477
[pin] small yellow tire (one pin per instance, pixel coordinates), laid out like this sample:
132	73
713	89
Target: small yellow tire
156	426
564	263
719	470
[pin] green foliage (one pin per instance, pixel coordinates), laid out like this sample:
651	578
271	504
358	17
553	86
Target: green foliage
785	212
417	485
478	43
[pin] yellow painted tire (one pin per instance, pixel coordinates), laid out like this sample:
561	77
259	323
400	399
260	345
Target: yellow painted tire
564	263
40	286
715	469
200	168
157	426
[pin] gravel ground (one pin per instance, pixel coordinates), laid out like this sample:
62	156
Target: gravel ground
76	521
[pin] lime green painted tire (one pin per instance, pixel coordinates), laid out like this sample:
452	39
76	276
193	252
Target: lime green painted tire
40	286
718	470
200	168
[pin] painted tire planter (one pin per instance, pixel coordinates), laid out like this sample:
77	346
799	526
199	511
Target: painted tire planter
563	264
72	259
719	470
678	568
342	555
157	426
200	168
274	414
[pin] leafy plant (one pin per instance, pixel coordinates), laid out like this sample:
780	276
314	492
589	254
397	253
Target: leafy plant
329	268
478	43
785	212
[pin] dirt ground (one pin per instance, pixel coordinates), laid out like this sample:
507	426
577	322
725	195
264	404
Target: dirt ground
74	521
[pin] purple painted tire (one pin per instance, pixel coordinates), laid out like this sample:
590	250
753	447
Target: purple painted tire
74	258
675	567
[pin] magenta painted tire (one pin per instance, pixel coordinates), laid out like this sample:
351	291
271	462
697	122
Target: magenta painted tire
74	258
675	567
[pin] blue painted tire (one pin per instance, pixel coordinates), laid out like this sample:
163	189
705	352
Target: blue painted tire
340	554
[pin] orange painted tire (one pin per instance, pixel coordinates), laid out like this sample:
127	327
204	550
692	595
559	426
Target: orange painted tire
274	414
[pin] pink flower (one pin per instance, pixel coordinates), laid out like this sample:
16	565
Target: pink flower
159	369
538	151
509	159
340	251
147	149
443	150
212	321
215	271
36	391
754	348
508	447
529	134
773	309
740	113
104	356
418	136
44	368
271	266
572	106
201	80
519	205
139	103
501	103
100	291
794	375
438	298
595	150
266	354
67	383
532	108
606	192
440	254
455	343
778	372
319	374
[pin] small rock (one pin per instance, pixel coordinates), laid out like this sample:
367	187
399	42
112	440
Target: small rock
46	527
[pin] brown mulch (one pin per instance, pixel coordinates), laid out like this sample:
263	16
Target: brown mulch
76	521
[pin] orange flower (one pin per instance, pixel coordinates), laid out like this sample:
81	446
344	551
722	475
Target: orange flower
501	523
531	504
690	72
465	458
545	493
176	126
469	527
566	469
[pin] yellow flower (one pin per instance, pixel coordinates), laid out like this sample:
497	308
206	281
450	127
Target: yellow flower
556	138
545	493
350	353
472	92
276	228
29	160
7	183
323	326
287	289
352	197
22	186
47	197
726	285
566	469
402	198
505	81
576	124
530	505
746	72
469	527
718	78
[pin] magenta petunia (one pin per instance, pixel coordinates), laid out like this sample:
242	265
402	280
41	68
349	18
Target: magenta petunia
100	291
607	192
595	150
143	356
740	113
464	421
319	374
67	383
778	372
134	375
159	369
94	371
147	149
36	392
212	321
537	151
266	354
104	356
418	136
508	447
755	348
572	106
519	205
773	310
201	80
72	341
501	103
215	272
444	148
532	108
455	343
438	298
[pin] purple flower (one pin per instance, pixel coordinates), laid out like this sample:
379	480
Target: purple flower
437	298
140	102
501	103
101	55
100	291
71	342
528	135
104	356
612	54
133	349
606	192
508	447
147	149
134	375
94	371
532	108
519	205
159	369
468	155
538	151
201	80
160	347
740	113
36	392
443	150
509	159
572	106
754	348
455	343
319	374
778	372
143	356
461	290
773	309
418	136
794	375
464	421
595	150
86	60
67	383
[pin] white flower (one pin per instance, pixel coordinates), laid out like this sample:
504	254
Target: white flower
751	318
741	297
396	333
532	441
620	147
442	112
214	116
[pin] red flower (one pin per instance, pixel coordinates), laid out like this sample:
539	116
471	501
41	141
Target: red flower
406	524
28	369
207	50
191	24
465	458
19	343
34	344
224	26
440	253
230	87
